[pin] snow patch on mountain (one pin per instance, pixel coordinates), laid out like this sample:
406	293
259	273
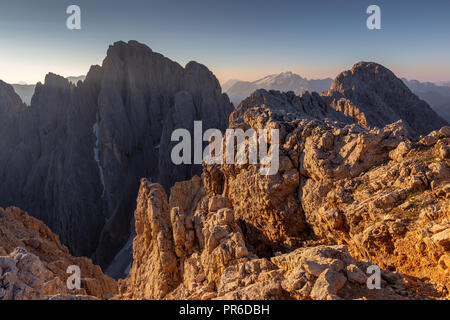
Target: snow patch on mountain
97	156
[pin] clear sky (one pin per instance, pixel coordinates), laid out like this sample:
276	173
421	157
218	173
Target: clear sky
244	39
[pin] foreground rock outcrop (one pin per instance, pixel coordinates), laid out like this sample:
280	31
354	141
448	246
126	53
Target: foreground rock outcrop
202	254
345	199
33	263
397	214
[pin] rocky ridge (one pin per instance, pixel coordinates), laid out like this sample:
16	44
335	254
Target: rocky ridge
33	263
345	198
374	97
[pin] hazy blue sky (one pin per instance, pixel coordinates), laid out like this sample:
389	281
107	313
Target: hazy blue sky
235	39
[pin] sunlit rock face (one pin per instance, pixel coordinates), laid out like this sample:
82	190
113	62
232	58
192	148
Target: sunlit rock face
346	200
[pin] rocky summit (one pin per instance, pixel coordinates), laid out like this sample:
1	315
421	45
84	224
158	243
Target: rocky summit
373	96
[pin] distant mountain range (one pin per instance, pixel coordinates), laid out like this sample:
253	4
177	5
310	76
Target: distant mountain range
286	81
26	91
228	84
437	95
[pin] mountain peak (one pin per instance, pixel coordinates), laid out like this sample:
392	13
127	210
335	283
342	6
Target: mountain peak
367	72
9	100
131	50
369	65
130	44
374	97
55	80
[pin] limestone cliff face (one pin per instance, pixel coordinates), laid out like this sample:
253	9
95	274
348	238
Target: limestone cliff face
13	125
309	148
74	158
48	168
374	97
345	198
143	98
